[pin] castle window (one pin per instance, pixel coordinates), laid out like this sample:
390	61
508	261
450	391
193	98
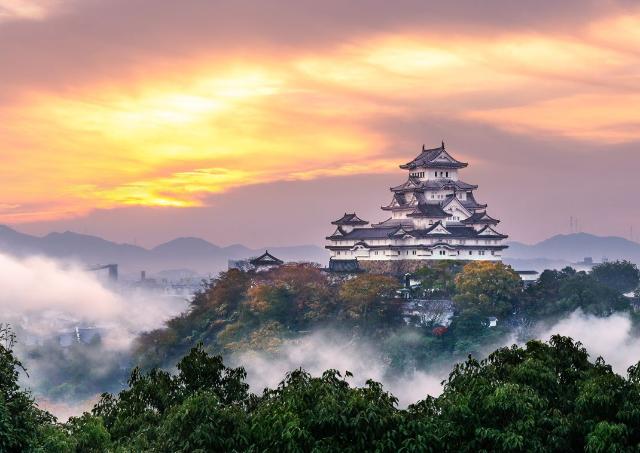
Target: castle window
470	252
447	174
414	252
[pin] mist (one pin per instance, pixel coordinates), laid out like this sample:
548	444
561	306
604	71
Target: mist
47	301
611	338
328	349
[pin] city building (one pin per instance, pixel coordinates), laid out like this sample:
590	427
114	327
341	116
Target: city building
433	215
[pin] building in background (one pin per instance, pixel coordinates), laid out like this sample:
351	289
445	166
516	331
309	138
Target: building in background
264	262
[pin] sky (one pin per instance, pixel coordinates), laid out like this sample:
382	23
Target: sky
259	122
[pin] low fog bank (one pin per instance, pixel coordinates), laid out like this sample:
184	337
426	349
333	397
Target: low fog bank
327	349
73	331
613	338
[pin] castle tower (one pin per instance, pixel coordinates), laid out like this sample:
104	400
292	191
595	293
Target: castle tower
433	216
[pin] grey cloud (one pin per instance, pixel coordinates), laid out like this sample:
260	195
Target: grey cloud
104	38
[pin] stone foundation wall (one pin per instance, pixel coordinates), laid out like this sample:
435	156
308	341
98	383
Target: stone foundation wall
396	267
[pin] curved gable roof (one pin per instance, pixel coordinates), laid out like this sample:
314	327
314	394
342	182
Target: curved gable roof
349	219
434	158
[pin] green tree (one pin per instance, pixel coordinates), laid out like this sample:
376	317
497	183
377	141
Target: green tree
202	423
21	421
544	397
621	276
439	279
369	299
325	414
489	287
89	434
558	293
135	416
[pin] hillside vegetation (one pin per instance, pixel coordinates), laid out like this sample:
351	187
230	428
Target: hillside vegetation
260	311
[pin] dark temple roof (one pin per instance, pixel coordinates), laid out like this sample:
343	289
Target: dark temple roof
350	219
469	203
452	232
429	210
434	184
481	217
266	259
433	158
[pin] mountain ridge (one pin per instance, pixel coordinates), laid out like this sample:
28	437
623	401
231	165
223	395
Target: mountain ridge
202	256
191	253
577	246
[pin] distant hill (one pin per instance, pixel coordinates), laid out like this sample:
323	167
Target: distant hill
186	253
203	257
571	248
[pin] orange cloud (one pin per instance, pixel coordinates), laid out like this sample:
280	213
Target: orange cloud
616	120
173	136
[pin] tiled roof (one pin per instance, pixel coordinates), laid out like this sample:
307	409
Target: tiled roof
480	217
433	184
469	202
427	159
383	232
266	259
349	219
429	210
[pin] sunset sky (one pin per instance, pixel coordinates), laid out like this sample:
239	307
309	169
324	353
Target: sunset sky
259	122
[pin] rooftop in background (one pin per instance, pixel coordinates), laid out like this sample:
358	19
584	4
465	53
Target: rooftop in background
266	259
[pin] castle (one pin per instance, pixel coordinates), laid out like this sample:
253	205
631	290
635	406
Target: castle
434	216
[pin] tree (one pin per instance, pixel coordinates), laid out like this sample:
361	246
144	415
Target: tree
558	293
583	291
89	434
325	414
135	416
489	287
224	294
368	299
439	279
621	276
21	421
544	397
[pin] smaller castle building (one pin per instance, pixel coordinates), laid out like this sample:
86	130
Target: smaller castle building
264	262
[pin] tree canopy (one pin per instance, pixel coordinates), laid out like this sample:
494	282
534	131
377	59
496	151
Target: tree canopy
620	276
539	397
487	287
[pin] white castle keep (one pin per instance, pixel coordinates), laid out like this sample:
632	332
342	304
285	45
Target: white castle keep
434	216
